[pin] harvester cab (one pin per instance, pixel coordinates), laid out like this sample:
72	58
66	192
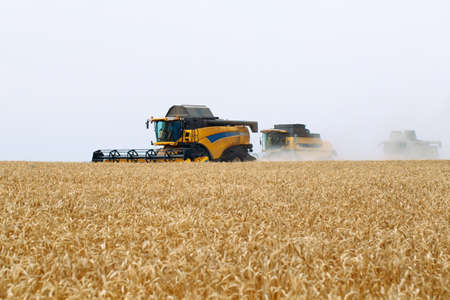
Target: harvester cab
274	138
190	133
167	131
294	142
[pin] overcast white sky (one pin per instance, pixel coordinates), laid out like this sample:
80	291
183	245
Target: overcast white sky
76	76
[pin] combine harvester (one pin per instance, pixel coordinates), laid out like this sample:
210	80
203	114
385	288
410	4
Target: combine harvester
405	145
189	133
294	142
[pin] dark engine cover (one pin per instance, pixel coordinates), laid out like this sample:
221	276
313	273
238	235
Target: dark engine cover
299	130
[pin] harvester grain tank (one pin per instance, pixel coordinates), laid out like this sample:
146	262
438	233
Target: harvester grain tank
295	142
189	133
405	145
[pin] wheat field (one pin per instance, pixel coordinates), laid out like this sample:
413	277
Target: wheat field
302	230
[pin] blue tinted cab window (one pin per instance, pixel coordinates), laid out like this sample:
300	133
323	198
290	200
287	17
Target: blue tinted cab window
168	131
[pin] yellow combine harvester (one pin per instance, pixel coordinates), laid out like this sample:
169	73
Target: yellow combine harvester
190	133
294	142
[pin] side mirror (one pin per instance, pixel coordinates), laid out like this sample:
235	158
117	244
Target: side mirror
152	143
147	124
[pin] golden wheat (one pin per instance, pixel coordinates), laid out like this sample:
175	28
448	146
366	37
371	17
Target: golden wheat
215	230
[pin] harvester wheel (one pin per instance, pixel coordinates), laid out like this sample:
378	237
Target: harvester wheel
248	157
233	155
236	158
114	156
150	155
132	155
